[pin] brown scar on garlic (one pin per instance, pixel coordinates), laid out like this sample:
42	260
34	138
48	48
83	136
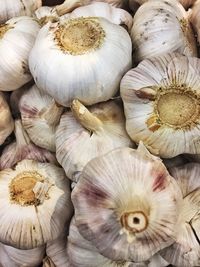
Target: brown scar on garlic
146	93
3	29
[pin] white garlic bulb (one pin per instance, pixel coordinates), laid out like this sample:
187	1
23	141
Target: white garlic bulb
161	27
5	260
17	37
82	58
82	253
34	204
185	252
161	101
23	148
6	120
16	8
92	132
126	204
40	115
29	258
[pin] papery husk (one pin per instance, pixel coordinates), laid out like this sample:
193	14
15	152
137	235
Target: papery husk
119	204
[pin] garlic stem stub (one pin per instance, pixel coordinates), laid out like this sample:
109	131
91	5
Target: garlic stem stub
16	8
40	115
162	107
185	252
126	204
35	204
23	148
84	134
82	58
162	27
17	37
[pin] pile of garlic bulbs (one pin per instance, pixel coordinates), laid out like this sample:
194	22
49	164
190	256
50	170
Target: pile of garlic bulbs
99	133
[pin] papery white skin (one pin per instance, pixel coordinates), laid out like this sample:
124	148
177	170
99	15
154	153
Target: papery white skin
150	75
5	261
185	3
82	253
158	261
15	46
161	27
185	252
40	115
29	258
56	251
6	120
23	148
125	182
16	8
91	137
99	71
30	226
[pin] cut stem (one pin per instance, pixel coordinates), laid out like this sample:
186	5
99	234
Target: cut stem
68	6
52	113
85	117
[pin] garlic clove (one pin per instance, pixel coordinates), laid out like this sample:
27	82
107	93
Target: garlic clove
82	253
16	8
6	120
119	205
40	116
35	204
58	55
23	148
161	27
17	37
168	120
30	258
92	132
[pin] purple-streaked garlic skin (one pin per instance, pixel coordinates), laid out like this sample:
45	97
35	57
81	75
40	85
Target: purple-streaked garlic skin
119	205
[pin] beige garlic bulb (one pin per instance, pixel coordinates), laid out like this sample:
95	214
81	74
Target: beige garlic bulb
185	252
84	134
16	8
126	204
40	116
82	253
17	37
23	148
6	120
25	258
161	27
34	204
161	102
81	58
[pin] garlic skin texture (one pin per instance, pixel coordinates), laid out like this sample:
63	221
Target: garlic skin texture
23	148
194	18
185	3
185	252
35	204
82	253
29	258
5	261
161	102
16	8
40	115
119	207
47	262
17	37
161	27
92	132
6	120
82	58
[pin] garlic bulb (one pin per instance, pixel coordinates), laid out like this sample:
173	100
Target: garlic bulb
161	101
185	252
5	261
29	258
91	132
56	251
119	204
194	18
40	116
34	204
6	120
82	58
160	27
17	37
23	148
16	8
83	254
